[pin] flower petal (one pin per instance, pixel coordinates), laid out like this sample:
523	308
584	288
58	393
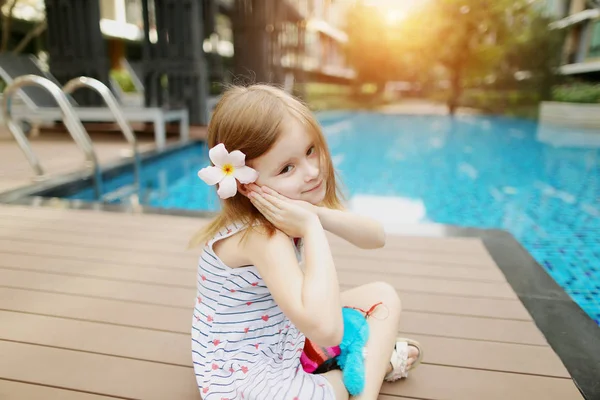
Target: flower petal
218	155
211	175
245	174
227	187
237	158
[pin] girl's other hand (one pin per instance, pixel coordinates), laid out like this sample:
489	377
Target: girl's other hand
293	217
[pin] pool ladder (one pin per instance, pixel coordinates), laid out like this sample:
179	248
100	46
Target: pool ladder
73	125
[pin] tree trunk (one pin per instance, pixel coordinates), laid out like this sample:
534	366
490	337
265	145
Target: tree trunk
32	34
7	19
455	88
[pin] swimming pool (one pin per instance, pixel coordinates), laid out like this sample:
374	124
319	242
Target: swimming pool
540	183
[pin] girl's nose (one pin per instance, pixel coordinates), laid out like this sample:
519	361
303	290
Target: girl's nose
312	172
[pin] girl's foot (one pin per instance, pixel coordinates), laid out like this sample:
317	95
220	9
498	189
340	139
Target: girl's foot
407	355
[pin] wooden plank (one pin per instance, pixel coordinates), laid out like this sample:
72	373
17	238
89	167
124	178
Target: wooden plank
10	390
456	305
130	342
112	289
138	379
171	347
455	272
107	219
139	292
507	331
451	326
170	243
165	318
185	277
96	373
112	244
478	259
64	264
99	269
344	261
493	290
159	237
158	221
422	243
173	319
393	242
99	254
440	382
458	259
92	241
492	356
182	224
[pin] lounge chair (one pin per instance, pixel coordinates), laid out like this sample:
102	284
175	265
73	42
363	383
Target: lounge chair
41	107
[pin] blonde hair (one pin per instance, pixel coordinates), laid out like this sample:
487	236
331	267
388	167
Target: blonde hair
250	119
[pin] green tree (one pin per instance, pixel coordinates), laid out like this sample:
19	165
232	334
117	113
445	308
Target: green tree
534	56
7	8
469	38
368	50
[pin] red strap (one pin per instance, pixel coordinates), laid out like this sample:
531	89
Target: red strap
369	311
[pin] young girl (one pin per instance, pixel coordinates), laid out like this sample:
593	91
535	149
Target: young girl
256	302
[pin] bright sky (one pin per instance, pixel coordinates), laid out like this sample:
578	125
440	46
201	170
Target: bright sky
395	10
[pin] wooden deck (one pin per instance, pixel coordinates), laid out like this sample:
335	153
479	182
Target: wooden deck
99	305
58	153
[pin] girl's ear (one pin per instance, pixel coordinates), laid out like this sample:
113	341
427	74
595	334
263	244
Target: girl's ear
243	189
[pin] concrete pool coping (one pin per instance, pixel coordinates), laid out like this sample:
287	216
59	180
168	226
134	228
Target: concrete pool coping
571	333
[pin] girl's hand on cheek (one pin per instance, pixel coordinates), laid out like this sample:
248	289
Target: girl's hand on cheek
293	217
265	189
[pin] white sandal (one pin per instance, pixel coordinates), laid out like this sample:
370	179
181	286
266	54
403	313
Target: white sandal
399	359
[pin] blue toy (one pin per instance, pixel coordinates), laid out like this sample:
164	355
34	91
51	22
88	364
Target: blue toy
349	356
351	359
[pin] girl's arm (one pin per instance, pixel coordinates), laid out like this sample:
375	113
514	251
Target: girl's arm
311	299
363	232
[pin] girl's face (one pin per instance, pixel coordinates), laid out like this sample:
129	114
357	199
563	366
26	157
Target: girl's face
292	166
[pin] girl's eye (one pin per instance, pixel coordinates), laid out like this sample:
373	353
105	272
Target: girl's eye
286	169
310	151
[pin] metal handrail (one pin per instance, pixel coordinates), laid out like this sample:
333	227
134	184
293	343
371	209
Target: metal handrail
113	106
70	119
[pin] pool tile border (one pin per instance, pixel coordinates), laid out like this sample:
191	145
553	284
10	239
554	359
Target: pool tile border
83	178
571	333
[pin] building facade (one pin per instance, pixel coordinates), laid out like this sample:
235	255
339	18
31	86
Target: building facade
581	21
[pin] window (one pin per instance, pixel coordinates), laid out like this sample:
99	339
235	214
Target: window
594	51
133	12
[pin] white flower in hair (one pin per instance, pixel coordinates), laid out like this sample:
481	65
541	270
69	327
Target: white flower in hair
228	167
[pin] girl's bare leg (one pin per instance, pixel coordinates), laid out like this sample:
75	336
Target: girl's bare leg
383	325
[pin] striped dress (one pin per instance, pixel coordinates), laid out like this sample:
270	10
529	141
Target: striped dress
243	346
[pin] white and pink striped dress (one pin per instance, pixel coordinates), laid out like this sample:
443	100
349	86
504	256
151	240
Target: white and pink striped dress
243	346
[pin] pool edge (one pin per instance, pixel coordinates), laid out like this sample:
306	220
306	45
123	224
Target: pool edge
15	195
569	330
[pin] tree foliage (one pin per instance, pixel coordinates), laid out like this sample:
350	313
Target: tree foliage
7	8
368	48
472	42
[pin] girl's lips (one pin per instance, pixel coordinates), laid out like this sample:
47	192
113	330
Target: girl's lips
315	188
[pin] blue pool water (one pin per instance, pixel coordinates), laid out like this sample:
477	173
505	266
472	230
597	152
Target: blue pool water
542	184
